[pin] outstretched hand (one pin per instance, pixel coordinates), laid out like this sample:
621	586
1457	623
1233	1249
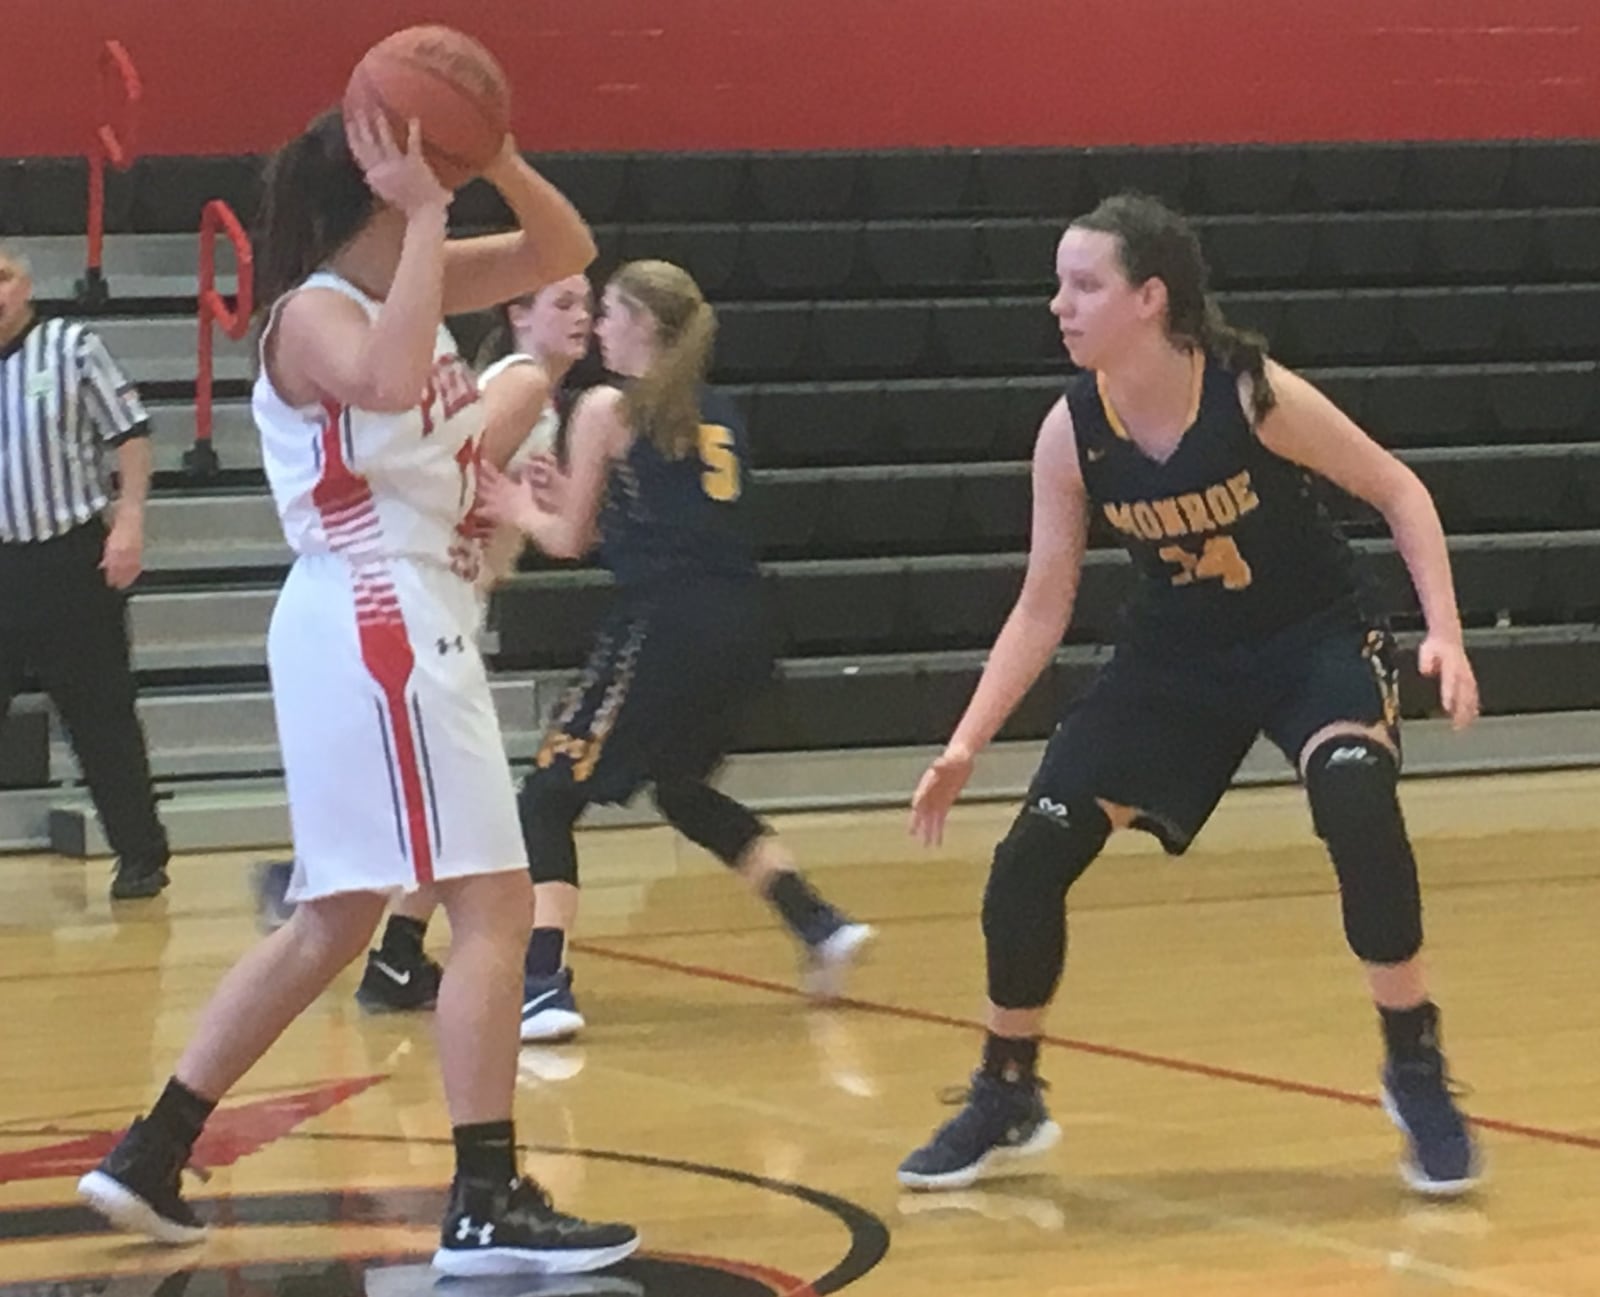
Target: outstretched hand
936	793
1446	660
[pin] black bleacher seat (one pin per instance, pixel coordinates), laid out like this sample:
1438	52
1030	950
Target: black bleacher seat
1568	243
1245	251
1445	324
546	620
1163	173
762	341
688	186
804	186
1545	402
1553	173
917	184
840	607
1032	182
850	339
1020	252
797	424
994	335
13	178
1479	247
1353	177
1555	320
790	514
54	197
943	419
1367	249
169	194
958	603
1246	178
1336	328
993	507
710	253
904	256
812	260
1462	174
887	512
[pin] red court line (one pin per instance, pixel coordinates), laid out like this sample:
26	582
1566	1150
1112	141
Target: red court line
1542	1133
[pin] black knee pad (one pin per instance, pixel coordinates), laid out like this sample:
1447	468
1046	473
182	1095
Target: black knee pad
549	807
1351	781
710	819
1024	905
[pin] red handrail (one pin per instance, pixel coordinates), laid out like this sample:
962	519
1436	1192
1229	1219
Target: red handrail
214	309
114	141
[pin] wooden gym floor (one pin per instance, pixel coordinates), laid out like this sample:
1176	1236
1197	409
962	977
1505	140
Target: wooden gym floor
1214	1066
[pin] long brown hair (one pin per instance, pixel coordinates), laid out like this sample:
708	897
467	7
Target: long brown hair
664	404
1154	242
314	201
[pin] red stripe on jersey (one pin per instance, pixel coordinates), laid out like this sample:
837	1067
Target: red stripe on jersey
344	501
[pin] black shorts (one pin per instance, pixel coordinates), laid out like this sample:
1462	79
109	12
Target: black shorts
668	678
1165	735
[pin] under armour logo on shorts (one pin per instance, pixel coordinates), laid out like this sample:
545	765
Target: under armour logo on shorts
457	645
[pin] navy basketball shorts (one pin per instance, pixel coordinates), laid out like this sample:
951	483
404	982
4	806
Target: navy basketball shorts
668	678
1165	735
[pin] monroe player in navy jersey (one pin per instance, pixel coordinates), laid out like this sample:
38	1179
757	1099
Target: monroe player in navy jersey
1197	450
657	470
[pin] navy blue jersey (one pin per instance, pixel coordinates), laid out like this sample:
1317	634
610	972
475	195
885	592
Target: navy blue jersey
1230	543
675	518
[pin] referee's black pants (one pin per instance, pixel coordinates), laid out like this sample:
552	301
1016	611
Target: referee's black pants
62	623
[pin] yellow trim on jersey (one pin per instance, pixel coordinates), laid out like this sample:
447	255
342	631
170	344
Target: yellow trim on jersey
1198	364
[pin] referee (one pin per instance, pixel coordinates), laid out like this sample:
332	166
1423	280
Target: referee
63	569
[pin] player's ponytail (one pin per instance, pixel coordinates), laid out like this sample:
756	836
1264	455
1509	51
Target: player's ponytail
314	201
664	404
1154	242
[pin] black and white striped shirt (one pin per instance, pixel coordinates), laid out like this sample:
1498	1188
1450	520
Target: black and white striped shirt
62	402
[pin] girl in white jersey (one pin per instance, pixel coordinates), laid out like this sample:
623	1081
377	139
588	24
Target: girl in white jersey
370	430
538	339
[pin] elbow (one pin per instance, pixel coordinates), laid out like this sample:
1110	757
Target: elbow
1407	503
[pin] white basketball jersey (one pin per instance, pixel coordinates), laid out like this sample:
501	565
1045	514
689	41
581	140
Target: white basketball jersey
541	438
370	486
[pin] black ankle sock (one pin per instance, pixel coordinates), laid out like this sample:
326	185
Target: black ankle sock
545	950
1012	1059
180	1114
486	1157
403	937
1411	1035
803	912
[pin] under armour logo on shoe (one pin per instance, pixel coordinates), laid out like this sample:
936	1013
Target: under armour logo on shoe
1350	755
466	1230
1052	810
455	645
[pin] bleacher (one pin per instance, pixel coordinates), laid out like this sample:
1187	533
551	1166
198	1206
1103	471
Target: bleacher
883	325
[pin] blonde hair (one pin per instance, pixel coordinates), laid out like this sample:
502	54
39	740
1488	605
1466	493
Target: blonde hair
664	404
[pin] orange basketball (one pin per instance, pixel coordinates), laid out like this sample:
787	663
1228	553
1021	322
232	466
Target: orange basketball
447	82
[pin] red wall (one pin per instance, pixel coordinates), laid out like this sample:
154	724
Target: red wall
240	75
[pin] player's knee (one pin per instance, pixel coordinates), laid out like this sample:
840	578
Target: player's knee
1024	905
1352	783
549	808
708	818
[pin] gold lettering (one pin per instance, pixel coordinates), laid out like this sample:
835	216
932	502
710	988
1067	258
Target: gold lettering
1120	516
1221	504
1144	518
1194	510
1171	517
1243	493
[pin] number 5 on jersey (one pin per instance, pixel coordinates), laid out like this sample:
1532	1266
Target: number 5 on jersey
720	480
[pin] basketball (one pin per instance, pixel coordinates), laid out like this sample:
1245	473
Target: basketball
447	82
